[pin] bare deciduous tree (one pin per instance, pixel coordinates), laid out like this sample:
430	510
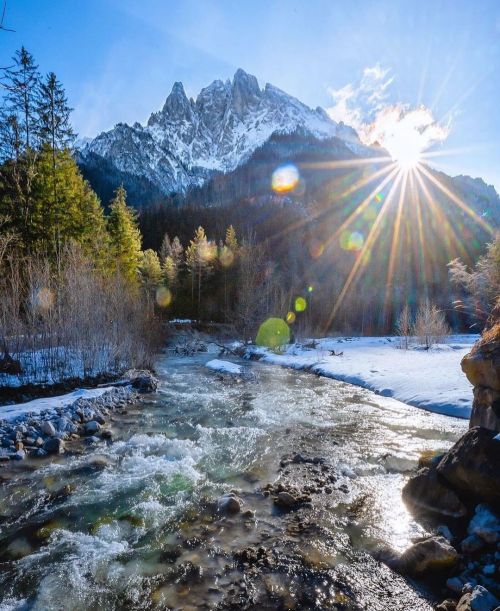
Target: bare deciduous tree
404	327
430	325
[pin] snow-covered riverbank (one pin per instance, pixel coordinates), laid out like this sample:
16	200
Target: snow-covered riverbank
429	379
41	427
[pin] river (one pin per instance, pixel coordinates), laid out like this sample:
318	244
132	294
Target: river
132	524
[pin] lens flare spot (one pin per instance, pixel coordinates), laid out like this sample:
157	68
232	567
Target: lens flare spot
273	333
163	296
290	318
379	197
285	178
300	304
352	241
316	249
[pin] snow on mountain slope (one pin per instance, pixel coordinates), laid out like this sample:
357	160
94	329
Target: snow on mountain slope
184	142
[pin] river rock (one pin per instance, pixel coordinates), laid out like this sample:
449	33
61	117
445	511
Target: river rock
433	554
485	524
482	600
472	544
142	380
424	493
92	427
472	467
464	602
48	428
54	445
286	500
229	503
447	605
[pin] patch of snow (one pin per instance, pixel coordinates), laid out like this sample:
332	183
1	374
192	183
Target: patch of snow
11	412
224	367
429	379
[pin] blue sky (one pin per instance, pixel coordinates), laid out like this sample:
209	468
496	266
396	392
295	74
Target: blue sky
119	58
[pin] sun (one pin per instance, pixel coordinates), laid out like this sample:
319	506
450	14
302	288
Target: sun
405	145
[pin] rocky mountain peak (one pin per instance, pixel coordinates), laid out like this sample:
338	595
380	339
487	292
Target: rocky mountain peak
246	93
177	106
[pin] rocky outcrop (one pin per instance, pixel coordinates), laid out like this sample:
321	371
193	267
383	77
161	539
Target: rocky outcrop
482	368
472	467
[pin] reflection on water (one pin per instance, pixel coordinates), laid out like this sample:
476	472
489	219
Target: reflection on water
132	524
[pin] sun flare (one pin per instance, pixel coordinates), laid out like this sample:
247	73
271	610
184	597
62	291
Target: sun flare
405	146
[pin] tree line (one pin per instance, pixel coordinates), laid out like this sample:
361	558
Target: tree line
69	273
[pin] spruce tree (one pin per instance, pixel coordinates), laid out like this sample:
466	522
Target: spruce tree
76	215
18	141
53	127
125	237
21	83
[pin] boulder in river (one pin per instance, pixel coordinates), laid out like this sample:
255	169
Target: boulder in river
424	493
54	445
430	555
142	380
229	503
472	467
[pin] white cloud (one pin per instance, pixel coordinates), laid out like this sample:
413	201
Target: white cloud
366	107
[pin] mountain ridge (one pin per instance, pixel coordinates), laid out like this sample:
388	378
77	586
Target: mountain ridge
182	144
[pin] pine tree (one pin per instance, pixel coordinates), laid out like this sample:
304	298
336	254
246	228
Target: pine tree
125	237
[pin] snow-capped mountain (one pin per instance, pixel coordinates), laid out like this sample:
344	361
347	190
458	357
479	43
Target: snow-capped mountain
186	141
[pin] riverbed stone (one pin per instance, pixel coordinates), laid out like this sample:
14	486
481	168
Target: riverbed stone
485	524
483	600
425	493
229	503
472	544
48	428
142	380
92	427
54	445
433	554
464	602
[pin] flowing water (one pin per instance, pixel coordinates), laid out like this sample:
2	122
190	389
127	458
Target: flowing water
132	525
